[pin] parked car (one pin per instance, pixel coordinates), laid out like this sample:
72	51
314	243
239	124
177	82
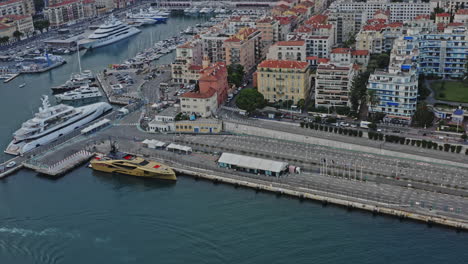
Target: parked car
11	164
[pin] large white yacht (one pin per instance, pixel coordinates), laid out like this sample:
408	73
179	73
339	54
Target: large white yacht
52	122
111	31
80	93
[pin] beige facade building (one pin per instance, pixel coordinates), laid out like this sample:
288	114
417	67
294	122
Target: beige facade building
17	7
283	80
288	50
188	63
243	48
201	104
11	23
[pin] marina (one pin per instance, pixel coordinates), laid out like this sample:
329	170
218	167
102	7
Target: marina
232	185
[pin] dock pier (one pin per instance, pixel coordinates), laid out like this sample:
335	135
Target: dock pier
316	195
61	167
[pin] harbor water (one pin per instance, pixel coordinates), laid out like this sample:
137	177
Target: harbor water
92	217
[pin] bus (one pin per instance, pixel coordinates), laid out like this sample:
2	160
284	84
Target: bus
364	124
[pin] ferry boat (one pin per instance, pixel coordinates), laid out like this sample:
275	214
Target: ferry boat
76	80
52	122
110	32
122	163
79	93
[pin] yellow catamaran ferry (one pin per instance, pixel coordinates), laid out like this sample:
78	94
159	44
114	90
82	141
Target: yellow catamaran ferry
133	165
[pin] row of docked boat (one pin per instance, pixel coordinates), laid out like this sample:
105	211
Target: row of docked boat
205	10
148	16
159	49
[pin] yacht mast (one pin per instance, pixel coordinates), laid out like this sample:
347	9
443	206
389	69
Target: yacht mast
78	52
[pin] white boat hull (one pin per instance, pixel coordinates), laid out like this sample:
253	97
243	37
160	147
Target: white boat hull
22	147
107	41
63	97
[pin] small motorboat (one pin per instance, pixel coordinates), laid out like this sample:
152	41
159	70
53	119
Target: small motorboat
22	85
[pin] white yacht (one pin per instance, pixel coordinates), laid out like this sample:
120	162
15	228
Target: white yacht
52	122
111	31
147	15
76	80
80	93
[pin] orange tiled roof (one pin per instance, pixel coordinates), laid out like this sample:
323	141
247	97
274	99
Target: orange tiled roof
443	15
422	17
291	43
207	94
360	52
462	12
341	50
243	34
283	64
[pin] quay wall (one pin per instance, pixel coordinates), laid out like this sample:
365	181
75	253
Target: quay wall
309	194
265	132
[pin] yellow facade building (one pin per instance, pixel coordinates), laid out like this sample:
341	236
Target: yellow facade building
283	80
199	126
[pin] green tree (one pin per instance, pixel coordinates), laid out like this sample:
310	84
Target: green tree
358	91
423	117
235	74
41	25
4	39
300	104
250	100
372	98
17	34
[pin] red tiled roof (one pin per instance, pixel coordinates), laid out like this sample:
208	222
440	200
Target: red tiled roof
16	17
9	2
462	12
88	1
241	35
455	24
440	27
195	67
329	26
299	10
214	71
291	43
360	52
304	29
341	50
64	3
422	17
307	3
312	58
319	19
323	60
385	12
208	94
283	64
443	15
4	26
265	20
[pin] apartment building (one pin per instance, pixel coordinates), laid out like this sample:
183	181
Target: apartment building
461	16
188	62
443	54
11	23
397	88
63	12
17	7
243	48
333	83
288	50
281	80
213	45
346	24
399	11
236	23
269	33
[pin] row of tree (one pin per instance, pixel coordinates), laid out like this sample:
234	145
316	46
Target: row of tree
337	130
